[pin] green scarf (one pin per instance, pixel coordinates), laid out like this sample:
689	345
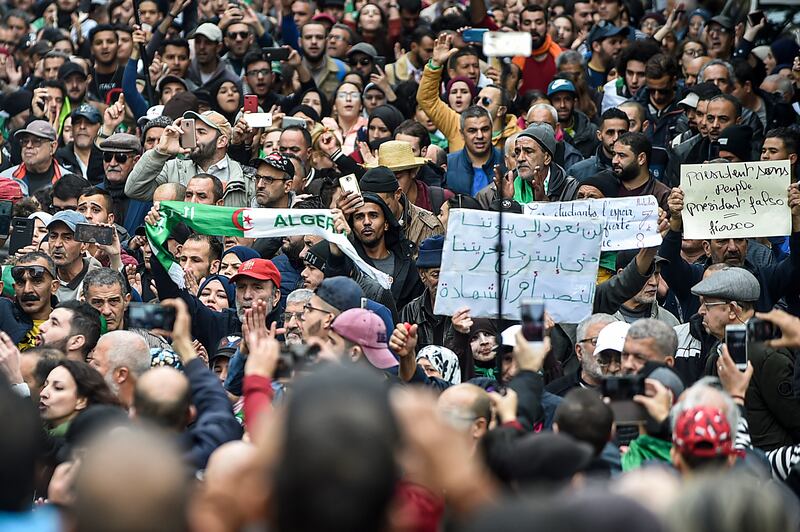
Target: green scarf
523	191
645	448
60	430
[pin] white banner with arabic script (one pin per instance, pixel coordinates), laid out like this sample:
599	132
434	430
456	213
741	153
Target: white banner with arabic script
544	258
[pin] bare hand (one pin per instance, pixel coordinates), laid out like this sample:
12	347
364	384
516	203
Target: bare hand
154	215
202	353
265	351
134	278
530	357
349	203
181	332
443	49
328	143
242	132
367	155
9	359
340	224
733	381
675	203
657	399
504	183
114	115
404	340
461	320
170	141
505	405
789	325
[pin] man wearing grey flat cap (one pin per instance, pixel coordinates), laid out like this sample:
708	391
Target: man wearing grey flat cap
728	297
537	176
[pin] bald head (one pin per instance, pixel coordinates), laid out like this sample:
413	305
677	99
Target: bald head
131	481
236	472
169	192
163	396
467	407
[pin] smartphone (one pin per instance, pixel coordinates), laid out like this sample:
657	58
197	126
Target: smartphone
532	316
95	234
149	316
736	340
275	54
5	216
293	121
189	135
21	234
507	44
349	184
755	18
473	35
621	391
759	330
380	61
250	103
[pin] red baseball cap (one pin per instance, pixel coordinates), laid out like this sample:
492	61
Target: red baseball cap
261	269
367	330
703	432
10	190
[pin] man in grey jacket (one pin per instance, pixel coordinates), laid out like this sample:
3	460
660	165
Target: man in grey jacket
159	165
645	303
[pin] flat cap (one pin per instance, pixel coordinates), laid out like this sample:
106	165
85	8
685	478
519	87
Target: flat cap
121	143
730	284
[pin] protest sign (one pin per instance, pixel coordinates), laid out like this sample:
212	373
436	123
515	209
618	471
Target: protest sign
628	223
736	200
544	258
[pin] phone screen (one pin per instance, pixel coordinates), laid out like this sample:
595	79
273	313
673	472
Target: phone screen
532	315
736	340
189	136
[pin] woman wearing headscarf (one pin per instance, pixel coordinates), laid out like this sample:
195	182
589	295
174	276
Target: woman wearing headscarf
217	293
440	362
381	124
233	257
227	98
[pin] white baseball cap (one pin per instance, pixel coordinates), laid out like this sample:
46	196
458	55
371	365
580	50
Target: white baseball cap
612	337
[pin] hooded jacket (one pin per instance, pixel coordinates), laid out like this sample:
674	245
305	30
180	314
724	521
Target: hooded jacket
584	136
561	187
591	166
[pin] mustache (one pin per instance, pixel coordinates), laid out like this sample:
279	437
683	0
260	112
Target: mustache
28	297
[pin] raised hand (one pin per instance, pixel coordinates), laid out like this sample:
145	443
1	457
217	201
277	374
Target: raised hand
443	49
113	116
170	141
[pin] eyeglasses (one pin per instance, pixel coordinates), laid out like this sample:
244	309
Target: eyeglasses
334	37
592	340
238	35
709	305
718	29
485	100
364	61
308	308
660	91
33	141
35	273
58	208
121	158
269	179
261	72
287	316
352	95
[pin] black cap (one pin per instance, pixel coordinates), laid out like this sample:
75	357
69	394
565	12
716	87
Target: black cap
69	68
379	179
737	139
318	254
626	256
276	161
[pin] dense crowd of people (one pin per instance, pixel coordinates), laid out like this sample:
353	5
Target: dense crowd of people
196	374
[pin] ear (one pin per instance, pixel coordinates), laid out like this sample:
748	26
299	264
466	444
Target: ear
121	375
502	110
579	351
111	218
479	428
81	403
738	120
645	125
54	285
398	194
356	354
220	202
222	141
642	159
669	361
707	248
126	300
793	159
191	414
276	297
2	285
599	135
287	185
596	47
75	343
214	268
547	159
424	151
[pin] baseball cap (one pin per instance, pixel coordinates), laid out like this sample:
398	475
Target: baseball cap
261	269
430	252
703	432
690	100
10	189
209	31
170	79
42	216
729	284
723	21
366	329
38	128
88	112
612	337
226	348
69	68
211	119
561	85
342	293
604	31
364	48
276	161
69	218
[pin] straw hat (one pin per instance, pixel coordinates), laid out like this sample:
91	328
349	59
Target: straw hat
397	155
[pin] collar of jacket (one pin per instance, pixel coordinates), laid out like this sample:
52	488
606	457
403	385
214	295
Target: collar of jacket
558	179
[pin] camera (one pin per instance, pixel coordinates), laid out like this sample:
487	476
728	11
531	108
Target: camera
295	357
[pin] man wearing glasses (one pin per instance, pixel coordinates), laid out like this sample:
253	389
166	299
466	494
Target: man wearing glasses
719	37
274	175
361	58
35	287
331	298
239	39
121	151
259	76
39	167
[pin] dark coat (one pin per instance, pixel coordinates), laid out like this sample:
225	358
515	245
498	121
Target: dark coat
67	158
460	171
13	320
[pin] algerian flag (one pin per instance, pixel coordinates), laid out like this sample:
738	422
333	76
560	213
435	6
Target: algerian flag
250	223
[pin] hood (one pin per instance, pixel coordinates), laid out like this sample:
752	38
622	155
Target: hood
393	234
558	180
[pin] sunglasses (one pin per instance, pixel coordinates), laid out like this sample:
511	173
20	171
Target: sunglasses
35	273
485	100
364	61
660	91
109	156
238	35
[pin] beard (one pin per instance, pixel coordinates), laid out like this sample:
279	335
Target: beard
626	173
536	40
240	308
204	153
113	386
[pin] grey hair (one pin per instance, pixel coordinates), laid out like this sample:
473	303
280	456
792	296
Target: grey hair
785	86
547	106
508	149
568	57
128	350
697	395
301	295
594	319
102	277
664	336
474	111
713	62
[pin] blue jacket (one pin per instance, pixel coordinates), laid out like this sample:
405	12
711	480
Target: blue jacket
215	423
13	320
460	172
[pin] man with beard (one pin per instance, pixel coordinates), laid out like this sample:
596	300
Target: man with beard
76	81
207	68
630	164
107	74
158	166
73	328
81	156
293	315
121	357
274	176
200	255
592	369
68	254
606	43
35	287
540	67
332	297
644	304
613	124
239	40
659	97
327	71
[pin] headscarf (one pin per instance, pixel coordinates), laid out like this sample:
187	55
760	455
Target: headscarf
473	90
444	360
390	116
323	100
230	288
306	110
244	253
214	90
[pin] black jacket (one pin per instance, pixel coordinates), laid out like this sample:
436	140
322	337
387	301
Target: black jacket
95	171
13	320
433	329
591	166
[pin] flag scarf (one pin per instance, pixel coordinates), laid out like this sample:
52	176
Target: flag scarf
249	223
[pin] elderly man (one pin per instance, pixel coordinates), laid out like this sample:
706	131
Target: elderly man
68	253
468	407
121	152
158	166
648	340
121	357
39	167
